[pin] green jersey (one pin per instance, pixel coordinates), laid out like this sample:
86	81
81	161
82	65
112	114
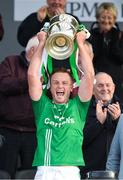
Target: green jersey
59	132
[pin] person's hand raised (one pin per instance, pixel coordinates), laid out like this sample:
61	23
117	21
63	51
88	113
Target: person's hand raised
101	113
114	110
42	36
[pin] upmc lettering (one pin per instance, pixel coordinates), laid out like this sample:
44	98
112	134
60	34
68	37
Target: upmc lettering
83	8
85	11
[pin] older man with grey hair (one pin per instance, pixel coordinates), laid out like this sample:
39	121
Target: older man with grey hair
103	115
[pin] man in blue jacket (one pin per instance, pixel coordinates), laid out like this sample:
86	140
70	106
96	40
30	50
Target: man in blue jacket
115	157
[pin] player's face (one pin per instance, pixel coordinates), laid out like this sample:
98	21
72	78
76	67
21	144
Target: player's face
61	87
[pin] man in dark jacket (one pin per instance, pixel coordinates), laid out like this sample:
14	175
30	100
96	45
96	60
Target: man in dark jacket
33	23
104	112
17	125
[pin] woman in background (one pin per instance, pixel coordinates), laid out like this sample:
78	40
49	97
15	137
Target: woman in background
107	42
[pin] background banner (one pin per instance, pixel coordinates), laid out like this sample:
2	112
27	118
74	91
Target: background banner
84	9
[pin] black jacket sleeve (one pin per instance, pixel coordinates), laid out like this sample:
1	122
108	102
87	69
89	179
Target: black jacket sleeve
29	27
1	28
116	48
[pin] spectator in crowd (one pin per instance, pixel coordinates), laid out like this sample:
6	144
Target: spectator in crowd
1	28
102	118
107	42
115	157
33	23
17	124
60	120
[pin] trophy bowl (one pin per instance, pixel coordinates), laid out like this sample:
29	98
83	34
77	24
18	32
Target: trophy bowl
61	35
